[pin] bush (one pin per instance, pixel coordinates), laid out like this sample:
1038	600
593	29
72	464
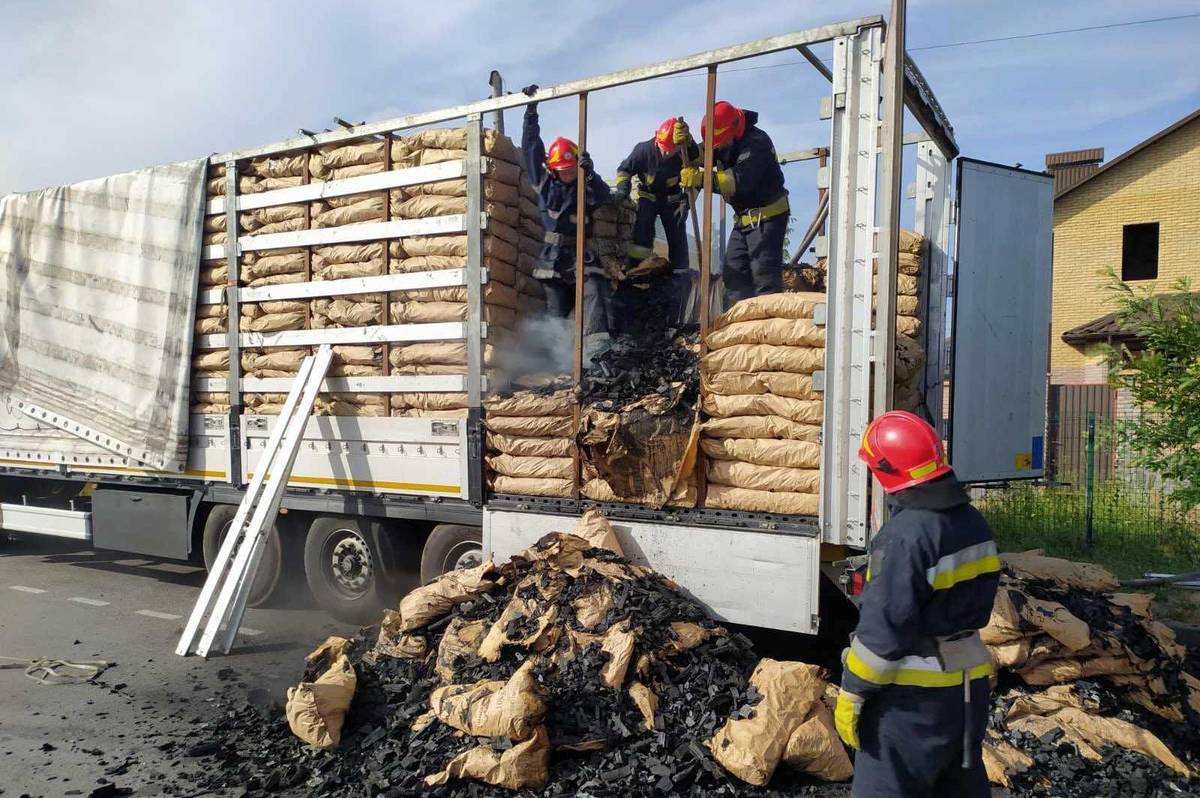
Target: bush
1161	372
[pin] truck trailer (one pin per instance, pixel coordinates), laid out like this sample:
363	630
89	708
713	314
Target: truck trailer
379	503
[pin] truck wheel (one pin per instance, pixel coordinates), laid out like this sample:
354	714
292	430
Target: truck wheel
450	547
270	567
346	569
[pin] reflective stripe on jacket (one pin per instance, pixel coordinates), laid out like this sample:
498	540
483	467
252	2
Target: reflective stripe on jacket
657	173
557	205
757	176
932	579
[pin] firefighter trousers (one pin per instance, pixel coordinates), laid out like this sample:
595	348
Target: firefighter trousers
597	308
754	260
673	213
912	743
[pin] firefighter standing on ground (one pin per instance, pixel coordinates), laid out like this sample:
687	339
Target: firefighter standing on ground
915	687
553	173
747	174
656	163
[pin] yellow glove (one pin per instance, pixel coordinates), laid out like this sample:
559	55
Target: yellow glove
690	177
726	185
845	717
682	134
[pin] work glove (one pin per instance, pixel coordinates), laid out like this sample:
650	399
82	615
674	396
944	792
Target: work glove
845	717
529	91
585	162
690	177
683	134
621	194
725	184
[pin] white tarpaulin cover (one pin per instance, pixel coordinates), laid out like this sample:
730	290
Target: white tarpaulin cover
98	288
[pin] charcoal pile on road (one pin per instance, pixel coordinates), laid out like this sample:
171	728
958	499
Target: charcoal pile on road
565	671
639	423
1096	697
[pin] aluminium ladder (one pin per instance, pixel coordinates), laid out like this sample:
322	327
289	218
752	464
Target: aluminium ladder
223	598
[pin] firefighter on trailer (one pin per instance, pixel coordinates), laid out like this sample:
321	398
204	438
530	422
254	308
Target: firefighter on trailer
656	164
915	683
747	175
553	173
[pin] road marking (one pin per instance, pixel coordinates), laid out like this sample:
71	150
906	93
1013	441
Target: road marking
24	589
166	616
246	630
88	601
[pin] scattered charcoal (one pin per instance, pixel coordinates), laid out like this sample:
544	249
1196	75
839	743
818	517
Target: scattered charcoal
380	754
598	737
1059	768
202	749
636	366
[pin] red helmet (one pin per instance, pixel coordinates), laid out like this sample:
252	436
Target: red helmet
664	137
731	124
902	450
563	154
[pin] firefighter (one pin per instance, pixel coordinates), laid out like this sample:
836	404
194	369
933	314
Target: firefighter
553	173
747	174
915	682
656	164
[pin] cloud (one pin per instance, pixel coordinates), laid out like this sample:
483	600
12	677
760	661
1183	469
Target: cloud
99	86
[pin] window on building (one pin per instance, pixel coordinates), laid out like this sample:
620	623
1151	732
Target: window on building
1139	252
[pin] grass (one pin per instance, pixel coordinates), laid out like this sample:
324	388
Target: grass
1134	531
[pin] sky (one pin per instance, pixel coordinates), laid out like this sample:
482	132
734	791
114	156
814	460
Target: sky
96	87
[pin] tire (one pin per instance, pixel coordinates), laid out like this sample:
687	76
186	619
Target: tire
449	547
268	579
349	564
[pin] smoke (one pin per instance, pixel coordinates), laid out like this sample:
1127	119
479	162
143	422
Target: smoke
543	345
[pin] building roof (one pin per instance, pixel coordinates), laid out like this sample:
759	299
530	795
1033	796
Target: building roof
1073	167
1074	156
1110	328
1160	135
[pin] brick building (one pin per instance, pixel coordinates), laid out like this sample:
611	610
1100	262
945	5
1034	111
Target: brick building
1137	215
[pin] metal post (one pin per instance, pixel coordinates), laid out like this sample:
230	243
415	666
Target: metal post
706	253
387	260
1089	528
476	329
891	137
851	250
932	219
580	236
497	84
706	297
233	324
722	239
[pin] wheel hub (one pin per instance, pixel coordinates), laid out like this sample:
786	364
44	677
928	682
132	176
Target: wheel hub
350	560
466	558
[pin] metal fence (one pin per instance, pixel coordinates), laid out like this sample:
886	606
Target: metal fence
1093	503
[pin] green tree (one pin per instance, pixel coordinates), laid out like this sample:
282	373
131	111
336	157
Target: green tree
1161	372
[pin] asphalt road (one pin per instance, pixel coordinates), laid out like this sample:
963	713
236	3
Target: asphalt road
132	726
62	601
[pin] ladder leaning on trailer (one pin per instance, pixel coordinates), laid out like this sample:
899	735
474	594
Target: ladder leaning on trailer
223	598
